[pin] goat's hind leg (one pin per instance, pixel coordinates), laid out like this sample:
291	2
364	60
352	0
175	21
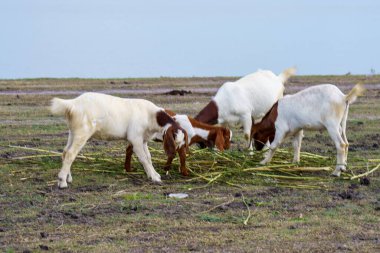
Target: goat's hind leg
346	144
246	121
69	142
78	141
343	132
340	149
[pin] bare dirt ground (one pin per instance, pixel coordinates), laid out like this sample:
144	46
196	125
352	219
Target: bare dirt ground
107	210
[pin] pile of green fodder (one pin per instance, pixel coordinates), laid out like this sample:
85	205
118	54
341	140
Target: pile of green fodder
237	168
234	168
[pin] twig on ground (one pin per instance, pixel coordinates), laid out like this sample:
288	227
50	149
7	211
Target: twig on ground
249	210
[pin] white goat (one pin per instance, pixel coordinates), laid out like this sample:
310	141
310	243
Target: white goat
318	107
246	99
107	117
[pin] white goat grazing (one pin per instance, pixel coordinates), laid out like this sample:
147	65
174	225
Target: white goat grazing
318	107
107	117
246	99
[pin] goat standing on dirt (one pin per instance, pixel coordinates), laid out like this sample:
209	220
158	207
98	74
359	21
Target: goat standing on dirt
245	100
107	117
318	107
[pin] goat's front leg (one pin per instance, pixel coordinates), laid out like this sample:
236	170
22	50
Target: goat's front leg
246	121
250	146
182	159
128	158
297	141
280	135
168	164
69	178
143	156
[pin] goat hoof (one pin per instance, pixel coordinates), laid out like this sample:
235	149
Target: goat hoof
185	173
156	178
263	162
62	184
336	173
251	153
159	182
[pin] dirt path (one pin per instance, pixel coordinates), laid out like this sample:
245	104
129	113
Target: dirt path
289	89
107	91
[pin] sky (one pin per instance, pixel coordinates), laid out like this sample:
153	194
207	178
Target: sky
177	38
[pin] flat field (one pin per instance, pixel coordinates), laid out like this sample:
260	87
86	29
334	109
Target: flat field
233	204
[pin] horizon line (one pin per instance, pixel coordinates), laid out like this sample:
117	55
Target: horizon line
173	77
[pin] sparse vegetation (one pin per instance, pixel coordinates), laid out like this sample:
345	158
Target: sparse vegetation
290	208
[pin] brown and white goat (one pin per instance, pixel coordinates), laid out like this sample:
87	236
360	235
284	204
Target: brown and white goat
315	108
197	132
107	117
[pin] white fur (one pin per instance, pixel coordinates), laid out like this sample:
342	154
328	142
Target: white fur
108	117
180	139
201	133
250	97
184	122
318	107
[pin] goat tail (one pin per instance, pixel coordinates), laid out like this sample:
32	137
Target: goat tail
61	107
358	90
287	73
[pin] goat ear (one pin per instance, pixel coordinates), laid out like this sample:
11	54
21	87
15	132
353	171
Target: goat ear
227	138
219	140
169	143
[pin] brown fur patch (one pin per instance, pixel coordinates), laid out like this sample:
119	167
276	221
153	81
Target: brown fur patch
265	130
169	143
128	158
163	118
209	114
